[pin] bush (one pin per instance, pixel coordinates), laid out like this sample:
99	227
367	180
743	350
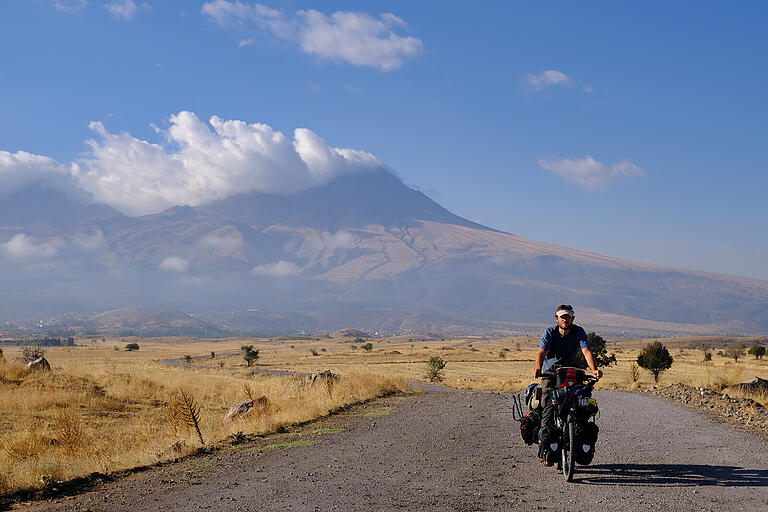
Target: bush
655	358
756	350
187	358
130	347
29	354
249	354
634	373
367	347
735	352
599	352
707	355
435	367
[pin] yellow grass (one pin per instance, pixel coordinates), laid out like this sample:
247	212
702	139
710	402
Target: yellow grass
103	408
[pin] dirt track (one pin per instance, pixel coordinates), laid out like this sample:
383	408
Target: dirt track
456	450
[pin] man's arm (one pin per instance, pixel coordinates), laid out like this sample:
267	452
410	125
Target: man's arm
591	362
540	361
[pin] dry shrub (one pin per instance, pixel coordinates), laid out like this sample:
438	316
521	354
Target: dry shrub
69	431
12	372
730	374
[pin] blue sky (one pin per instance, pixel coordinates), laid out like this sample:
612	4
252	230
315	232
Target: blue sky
636	130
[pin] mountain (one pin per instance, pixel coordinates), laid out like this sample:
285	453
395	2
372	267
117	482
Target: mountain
363	250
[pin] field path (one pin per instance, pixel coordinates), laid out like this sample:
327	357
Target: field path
458	450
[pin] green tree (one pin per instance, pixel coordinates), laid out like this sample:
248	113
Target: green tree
367	347
599	352
132	346
435	367
756	350
249	354
187	358
655	358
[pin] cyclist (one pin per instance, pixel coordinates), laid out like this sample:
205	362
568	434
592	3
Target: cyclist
559	346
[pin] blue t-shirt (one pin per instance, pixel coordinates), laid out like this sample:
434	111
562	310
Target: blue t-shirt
562	350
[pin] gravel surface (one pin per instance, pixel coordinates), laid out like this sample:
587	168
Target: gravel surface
458	450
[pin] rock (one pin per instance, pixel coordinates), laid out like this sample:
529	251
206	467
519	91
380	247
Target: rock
40	363
240	411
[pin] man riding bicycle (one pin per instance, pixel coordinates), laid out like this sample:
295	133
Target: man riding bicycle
559	346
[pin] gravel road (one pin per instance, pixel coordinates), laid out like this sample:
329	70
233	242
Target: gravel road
458	450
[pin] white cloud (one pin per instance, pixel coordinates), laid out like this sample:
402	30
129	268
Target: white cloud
69	5
327	241
23	247
353	37
89	240
280	269
174	264
223	241
205	163
20	169
589	89
591	173
125	10
246	42
547	78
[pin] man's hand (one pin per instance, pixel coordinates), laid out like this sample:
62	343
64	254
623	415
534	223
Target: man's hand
597	373
536	373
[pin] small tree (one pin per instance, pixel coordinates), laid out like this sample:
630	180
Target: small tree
1	353
249	354
735	352
599	352
213	354
187	358
707	355
655	358
367	347
756	350
435	367
130	347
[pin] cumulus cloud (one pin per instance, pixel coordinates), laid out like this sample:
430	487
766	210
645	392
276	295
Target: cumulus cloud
89	240
327	242
591	173
122	9
201	163
24	247
280	269
353	37
20	169
174	264
548	78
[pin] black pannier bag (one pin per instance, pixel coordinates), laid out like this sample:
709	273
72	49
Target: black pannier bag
586	438
529	427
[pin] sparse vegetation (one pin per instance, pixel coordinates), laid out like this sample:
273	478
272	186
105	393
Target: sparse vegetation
435	367
367	347
655	358
735	352
634	373
130	347
184	411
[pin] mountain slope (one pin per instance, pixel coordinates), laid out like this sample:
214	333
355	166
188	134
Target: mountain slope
363	248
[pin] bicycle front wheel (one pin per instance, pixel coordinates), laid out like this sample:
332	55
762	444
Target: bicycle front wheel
567	452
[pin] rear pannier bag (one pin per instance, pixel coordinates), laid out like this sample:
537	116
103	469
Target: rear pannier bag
529	427
586	438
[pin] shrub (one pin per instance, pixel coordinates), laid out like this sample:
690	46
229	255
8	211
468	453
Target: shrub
131	347
655	358
435	367
735	352
213	354
707	355
634	373
756	350
29	354
187	358
367	347
599	352
249	354
314	352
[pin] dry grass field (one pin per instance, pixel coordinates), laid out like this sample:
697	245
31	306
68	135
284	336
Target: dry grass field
103	408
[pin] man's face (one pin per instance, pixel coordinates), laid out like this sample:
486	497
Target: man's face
564	322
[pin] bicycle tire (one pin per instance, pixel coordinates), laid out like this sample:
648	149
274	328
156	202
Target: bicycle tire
569	462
